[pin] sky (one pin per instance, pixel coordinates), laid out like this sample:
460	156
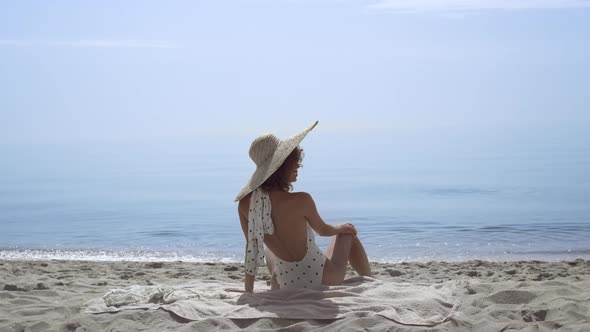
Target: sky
119	71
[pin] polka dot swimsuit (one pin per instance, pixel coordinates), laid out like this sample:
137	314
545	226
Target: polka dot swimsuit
305	273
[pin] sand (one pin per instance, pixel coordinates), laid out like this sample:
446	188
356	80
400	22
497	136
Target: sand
500	296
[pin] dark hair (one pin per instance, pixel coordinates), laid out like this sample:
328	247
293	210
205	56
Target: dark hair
280	178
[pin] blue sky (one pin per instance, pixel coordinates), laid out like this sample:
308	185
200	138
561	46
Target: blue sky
76	71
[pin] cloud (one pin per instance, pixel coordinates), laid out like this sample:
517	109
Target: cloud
471	6
89	43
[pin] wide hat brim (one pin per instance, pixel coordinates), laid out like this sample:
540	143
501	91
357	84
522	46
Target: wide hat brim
263	172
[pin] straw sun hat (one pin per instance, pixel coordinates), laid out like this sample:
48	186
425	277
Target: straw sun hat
268	153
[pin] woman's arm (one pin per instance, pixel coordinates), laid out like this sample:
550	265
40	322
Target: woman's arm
242	207
317	223
249	283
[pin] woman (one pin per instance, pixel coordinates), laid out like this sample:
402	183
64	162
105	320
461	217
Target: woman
283	221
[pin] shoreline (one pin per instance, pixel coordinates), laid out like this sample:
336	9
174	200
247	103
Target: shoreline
146	255
47	295
435	269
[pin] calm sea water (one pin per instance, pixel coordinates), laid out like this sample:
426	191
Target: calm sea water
411	201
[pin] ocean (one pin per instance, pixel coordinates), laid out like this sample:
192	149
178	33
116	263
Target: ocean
455	198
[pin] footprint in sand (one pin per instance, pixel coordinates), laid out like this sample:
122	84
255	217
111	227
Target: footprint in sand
512	297
533	315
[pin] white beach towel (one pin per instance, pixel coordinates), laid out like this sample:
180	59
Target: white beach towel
404	303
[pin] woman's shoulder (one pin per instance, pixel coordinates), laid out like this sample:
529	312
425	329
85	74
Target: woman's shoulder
289	198
302	197
244	203
300	194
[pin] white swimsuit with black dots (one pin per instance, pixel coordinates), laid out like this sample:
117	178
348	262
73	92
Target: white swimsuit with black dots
305	273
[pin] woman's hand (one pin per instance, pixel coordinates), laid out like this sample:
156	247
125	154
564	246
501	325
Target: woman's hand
347	228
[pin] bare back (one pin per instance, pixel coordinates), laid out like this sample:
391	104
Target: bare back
289	241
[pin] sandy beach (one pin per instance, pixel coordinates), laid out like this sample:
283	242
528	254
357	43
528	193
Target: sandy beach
494	296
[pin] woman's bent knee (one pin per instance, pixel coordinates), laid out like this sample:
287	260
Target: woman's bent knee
342	249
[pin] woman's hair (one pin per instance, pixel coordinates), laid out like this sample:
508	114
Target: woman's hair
280	178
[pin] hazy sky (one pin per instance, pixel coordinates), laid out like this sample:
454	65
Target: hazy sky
76	71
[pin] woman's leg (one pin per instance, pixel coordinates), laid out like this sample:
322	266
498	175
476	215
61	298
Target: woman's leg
358	258
337	259
342	249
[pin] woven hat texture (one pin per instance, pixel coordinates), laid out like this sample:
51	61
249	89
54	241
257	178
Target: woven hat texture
268	153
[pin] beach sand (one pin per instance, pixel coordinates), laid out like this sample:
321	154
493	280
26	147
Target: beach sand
502	296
